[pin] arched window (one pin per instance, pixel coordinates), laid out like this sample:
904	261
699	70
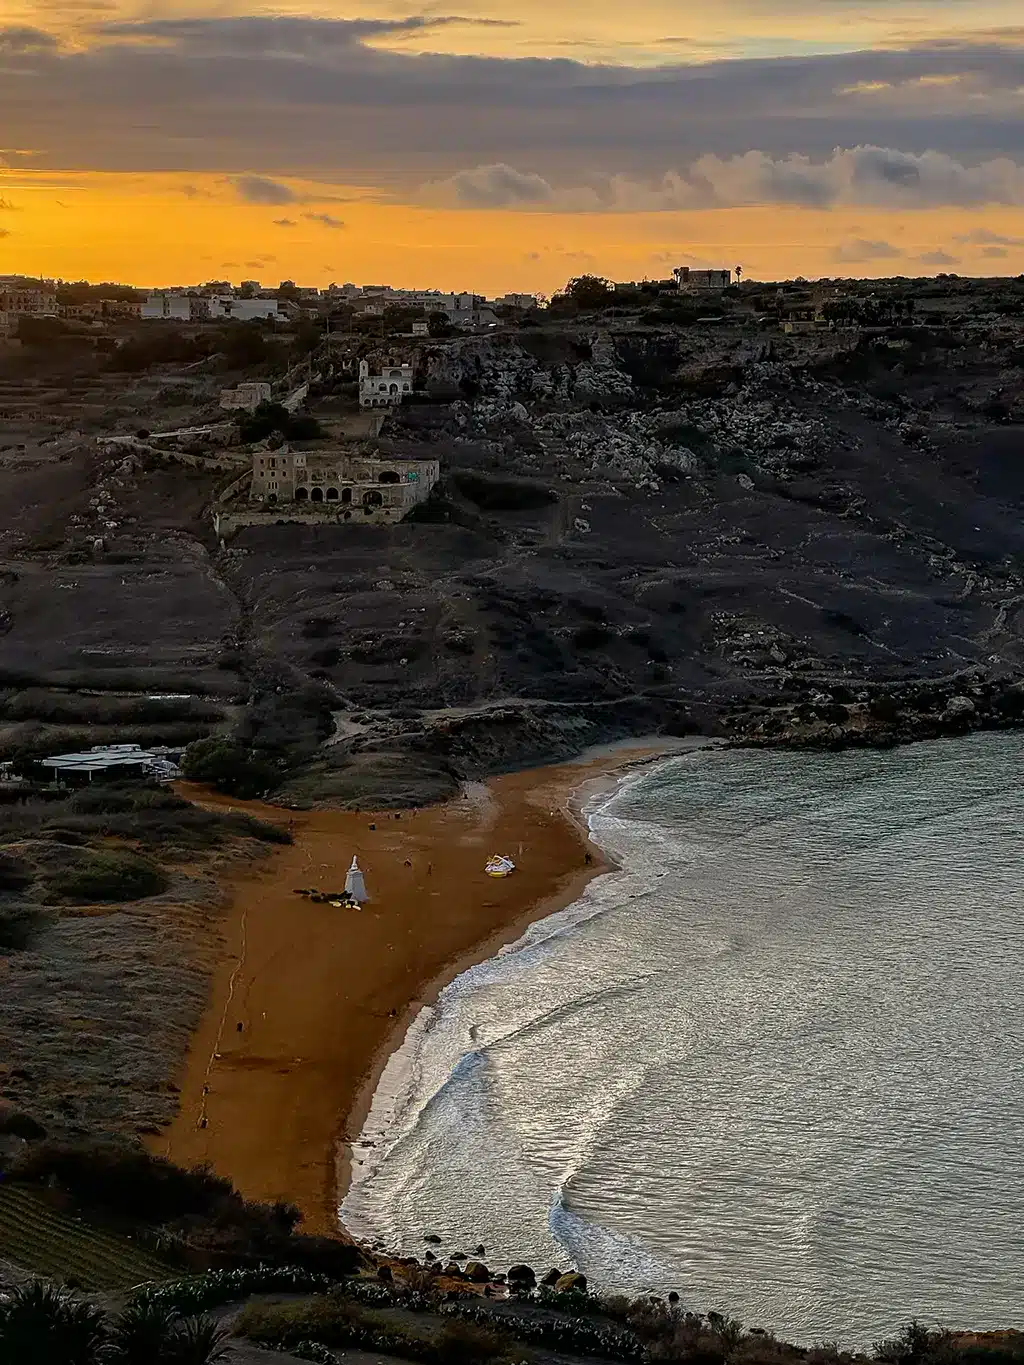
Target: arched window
317	495
373	499
301	494
387	476
332	495
394	388
346	495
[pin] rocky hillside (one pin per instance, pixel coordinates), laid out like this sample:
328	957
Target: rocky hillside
782	538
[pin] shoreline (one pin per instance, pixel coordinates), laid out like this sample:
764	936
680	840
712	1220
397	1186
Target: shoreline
307	1002
598	780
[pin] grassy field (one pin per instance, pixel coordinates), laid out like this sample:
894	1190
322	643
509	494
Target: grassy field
40	1239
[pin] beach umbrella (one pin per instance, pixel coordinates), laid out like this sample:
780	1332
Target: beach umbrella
354	884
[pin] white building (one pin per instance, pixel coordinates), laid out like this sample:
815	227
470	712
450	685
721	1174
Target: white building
701	280
246	397
243	310
386	388
166	305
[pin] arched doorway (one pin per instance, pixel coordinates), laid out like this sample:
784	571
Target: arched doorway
387	476
346	495
317	495
332	495
301	494
371	501
271	497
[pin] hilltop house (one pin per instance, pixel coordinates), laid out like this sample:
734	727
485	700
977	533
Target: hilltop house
386	388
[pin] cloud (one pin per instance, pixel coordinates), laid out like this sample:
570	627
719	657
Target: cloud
865	176
862	249
263	92
938	258
983	237
995	253
492	187
285	222
257	189
20	39
324	219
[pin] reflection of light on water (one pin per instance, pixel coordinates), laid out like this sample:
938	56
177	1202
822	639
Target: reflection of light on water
774	1062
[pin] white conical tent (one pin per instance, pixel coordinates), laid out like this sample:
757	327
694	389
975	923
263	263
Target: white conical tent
354	884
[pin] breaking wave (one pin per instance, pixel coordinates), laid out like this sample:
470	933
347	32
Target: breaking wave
774	1062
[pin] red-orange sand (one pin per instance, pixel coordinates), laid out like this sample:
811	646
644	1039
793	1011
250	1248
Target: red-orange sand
309	1000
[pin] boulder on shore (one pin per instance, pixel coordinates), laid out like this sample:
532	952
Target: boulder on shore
573	1280
521	1277
477	1272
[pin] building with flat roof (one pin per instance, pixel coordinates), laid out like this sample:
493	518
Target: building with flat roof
700	280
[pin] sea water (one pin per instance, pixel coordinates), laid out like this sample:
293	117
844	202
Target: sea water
775	1063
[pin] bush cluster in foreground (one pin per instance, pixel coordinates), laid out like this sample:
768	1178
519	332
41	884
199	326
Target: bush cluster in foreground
44	1325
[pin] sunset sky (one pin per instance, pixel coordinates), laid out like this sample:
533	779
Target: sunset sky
509	144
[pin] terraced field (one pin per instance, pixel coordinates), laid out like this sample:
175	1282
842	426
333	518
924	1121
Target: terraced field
35	1236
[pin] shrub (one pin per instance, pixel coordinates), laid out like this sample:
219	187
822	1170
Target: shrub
124	1181
269	418
108	875
591	637
40	1325
497	494
15	874
198	1292
469	1343
19	924
229	767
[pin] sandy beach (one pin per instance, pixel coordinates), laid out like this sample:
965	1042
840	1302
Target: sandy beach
308	1001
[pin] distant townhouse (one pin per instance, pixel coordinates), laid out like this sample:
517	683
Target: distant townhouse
17	302
700	281
224	306
168	306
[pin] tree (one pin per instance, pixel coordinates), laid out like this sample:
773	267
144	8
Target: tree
229	767
40	1325
589	291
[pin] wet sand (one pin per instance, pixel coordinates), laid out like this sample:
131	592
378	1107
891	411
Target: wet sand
308	1000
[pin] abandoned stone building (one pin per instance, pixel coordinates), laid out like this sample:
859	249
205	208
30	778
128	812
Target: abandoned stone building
335	485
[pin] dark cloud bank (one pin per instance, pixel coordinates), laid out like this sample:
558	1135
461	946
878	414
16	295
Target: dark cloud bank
322	99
